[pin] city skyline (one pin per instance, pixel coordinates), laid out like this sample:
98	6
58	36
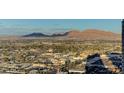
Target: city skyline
50	26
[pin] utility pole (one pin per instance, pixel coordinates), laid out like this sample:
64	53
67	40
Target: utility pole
123	46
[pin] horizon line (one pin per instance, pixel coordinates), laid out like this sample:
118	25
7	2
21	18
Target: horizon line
59	32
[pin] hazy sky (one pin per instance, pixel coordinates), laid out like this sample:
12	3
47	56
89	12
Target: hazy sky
49	26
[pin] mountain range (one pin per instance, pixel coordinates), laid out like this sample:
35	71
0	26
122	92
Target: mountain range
89	34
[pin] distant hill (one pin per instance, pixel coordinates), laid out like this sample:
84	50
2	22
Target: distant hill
35	35
44	35
93	34
59	34
89	34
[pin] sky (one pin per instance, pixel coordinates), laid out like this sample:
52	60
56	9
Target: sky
50	26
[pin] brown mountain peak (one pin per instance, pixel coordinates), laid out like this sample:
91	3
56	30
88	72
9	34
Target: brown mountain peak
93	34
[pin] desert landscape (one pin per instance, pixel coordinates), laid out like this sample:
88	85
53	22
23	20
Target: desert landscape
73	52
